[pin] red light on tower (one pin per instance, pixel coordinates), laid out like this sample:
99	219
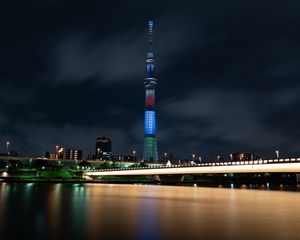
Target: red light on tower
150	101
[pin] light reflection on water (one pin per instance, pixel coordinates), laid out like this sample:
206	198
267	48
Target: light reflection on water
96	211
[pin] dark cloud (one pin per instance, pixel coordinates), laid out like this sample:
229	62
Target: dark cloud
228	75
230	116
119	57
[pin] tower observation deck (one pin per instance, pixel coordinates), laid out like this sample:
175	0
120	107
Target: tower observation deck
150	82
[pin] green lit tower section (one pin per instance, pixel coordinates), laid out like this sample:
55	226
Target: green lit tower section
150	82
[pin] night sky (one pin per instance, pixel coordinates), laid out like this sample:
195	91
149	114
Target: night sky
228	75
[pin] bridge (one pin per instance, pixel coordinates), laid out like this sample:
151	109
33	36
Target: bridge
282	165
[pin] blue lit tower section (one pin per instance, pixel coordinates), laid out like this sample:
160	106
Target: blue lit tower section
150	143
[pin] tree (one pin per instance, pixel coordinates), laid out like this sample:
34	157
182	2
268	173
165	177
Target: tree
105	165
2	164
143	164
134	165
114	165
39	163
15	164
84	164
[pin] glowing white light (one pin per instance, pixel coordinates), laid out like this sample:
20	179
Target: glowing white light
256	168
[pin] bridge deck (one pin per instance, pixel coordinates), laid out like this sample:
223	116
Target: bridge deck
259	166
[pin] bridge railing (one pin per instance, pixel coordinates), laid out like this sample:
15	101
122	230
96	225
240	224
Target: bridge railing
210	164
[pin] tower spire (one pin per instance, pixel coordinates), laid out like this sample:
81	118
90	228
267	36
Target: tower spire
150	82
150	38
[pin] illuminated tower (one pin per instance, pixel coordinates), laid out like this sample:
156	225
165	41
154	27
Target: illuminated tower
150	143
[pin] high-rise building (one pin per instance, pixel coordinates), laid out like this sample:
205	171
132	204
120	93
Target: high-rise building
66	154
73	154
103	148
150	142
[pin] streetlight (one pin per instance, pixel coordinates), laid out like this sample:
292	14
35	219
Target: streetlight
56	151
218	158
133	153
7	145
193	156
277	153
165	154
200	159
231	157
98	156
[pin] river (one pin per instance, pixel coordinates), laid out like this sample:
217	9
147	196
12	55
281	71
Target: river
107	211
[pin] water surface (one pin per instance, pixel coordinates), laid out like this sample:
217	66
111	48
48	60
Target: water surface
102	211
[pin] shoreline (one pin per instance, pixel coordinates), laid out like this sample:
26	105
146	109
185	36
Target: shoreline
273	187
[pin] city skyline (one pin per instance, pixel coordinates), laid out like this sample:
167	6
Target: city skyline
228	77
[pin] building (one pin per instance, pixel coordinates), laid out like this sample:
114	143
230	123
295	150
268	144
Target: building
65	154
150	143
241	156
103	148
50	155
10	154
73	154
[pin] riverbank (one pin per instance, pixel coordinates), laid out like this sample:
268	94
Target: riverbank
278	187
